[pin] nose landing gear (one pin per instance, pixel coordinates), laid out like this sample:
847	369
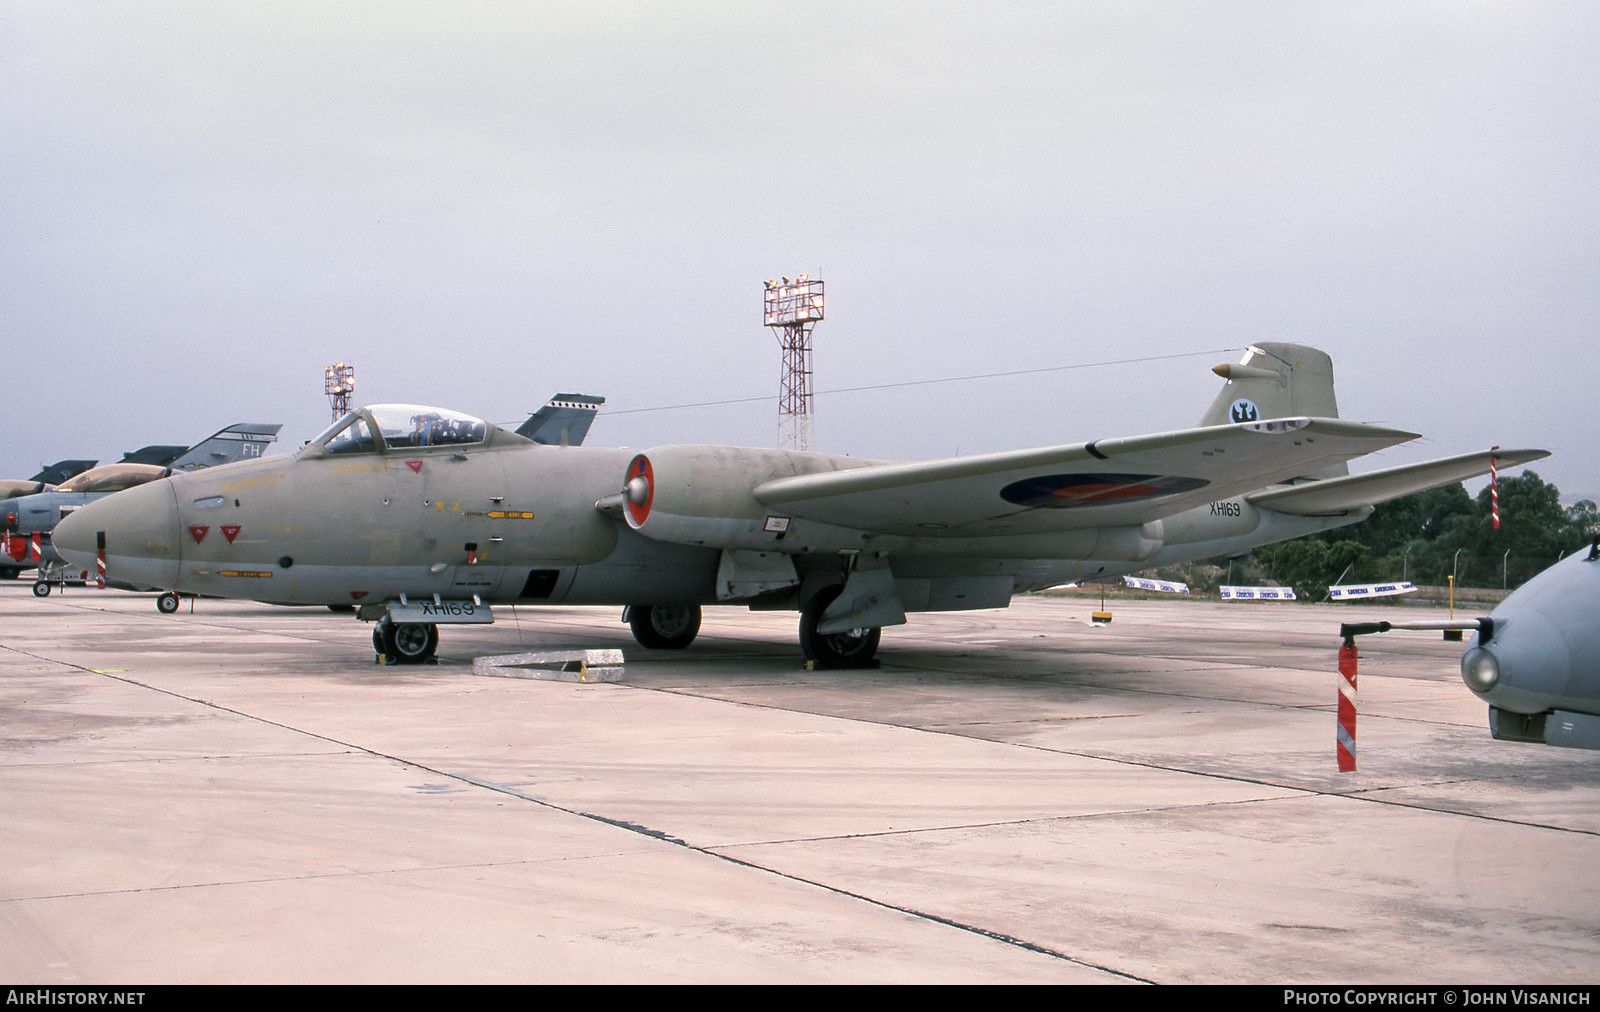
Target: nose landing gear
664	626
405	642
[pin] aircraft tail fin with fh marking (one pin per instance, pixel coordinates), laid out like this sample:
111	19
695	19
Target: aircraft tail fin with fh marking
1277	381
243	441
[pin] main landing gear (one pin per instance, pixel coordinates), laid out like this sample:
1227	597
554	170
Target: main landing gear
664	626
405	642
852	648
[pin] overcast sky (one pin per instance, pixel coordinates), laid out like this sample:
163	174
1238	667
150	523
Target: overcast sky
479	205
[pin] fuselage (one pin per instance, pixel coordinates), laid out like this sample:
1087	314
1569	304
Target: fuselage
516	521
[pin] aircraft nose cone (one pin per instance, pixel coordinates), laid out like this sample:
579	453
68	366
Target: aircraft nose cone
74	538
140	529
1525	667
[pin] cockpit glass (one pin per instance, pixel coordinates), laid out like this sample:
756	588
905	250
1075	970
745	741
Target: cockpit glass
402	426
414	425
355	437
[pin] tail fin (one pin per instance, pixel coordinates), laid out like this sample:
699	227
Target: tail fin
564	421
243	441
61	470
1277	381
159	454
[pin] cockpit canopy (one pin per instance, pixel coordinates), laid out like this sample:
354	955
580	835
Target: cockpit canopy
401	426
113	478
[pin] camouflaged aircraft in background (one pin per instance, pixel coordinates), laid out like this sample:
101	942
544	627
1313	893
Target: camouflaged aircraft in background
27	521
420	516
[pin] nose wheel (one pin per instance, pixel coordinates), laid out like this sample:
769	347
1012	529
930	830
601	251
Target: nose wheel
405	642
167	603
664	626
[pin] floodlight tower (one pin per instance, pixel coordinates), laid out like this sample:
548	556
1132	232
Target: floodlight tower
792	309
340	384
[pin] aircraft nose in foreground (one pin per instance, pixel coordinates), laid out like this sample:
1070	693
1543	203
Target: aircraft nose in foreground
1537	660
141	532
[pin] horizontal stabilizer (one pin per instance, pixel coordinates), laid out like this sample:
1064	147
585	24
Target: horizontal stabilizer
1339	495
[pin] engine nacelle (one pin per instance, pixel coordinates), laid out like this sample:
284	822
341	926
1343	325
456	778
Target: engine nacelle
701	495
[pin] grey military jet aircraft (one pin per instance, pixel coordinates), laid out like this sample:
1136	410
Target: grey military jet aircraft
422	517
1536	658
24	516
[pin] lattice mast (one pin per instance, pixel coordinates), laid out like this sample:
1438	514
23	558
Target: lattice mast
340	384
792	308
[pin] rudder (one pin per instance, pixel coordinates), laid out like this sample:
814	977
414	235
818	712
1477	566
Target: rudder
1277	381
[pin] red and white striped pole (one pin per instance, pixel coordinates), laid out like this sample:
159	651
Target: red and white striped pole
1494	486
1345	743
100	559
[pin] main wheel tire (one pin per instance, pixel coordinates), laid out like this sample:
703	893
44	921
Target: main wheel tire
167	603
664	626
410	642
41	589
851	649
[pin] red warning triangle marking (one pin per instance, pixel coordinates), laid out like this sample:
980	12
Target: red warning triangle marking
199	532
230	531
415	465
358	594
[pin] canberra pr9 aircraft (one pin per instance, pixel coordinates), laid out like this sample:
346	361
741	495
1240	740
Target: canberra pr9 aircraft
421	517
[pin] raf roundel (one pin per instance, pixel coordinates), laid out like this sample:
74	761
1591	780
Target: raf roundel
1066	491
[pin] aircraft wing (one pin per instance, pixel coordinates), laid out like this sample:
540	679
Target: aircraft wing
1336	495
1106	482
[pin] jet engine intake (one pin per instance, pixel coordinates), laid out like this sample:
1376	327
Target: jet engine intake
701	495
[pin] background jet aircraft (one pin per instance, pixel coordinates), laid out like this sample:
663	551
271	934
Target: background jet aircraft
421	516
1536	658
24	516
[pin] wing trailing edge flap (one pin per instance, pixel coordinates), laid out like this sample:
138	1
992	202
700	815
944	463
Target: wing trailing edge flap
1339	495
1106	482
